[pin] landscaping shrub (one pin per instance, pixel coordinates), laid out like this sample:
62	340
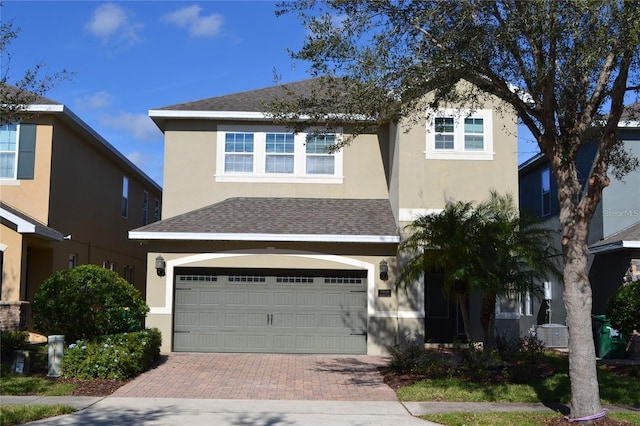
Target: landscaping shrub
117	357
623	308
12	341
86	302
404	359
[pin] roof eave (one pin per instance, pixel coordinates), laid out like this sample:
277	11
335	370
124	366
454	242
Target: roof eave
318	238
615	246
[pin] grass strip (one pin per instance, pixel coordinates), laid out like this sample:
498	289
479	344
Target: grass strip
511	418
19	414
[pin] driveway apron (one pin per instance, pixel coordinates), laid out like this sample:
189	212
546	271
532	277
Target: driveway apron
263	377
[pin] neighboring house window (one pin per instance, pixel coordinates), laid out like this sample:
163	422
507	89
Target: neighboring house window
125	196
320	161
129	273
73	260
156	210
252	153
238	148
107	264
17	151
279	153
546	191
460	135
145	207
513	306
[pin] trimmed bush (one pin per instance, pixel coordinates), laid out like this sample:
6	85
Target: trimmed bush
116	357
86	302
623	308
12	341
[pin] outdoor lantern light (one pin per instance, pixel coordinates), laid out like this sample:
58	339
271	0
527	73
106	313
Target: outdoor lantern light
160	266
384	270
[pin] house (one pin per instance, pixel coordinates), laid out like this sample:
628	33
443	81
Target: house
614	233
67	197
272	243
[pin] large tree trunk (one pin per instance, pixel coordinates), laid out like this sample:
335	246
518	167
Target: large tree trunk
487	320
574	221
585	394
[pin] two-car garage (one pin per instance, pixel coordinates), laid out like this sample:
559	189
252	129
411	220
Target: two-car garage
270	310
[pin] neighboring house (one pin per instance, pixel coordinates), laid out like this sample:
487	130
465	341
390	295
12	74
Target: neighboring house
271	243
614	234
67	197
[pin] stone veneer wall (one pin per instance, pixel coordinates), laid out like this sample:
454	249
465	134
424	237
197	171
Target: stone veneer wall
13	316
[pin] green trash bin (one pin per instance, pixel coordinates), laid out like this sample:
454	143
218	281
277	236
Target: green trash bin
610	343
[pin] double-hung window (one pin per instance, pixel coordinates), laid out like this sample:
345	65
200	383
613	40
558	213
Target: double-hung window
238	148
320	160
460	135
444	135
17	151
279	153
546	191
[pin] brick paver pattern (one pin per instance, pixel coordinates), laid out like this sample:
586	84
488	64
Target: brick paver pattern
263	376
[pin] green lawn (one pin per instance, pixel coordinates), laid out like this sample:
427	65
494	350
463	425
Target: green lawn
19	414
511	419
616	387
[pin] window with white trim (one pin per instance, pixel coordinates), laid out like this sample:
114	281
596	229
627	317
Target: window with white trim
514	305
280	155
251	153
238	152
320	159
460	135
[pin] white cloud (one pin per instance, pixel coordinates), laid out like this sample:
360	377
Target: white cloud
139	125
150	163
112	23
99	100
198	25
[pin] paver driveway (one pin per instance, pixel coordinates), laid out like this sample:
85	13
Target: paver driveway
263	376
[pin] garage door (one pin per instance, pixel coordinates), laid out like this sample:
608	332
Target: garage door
270	311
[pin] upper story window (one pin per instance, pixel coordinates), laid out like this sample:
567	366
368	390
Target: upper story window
280	153
545	186
320	159
125	196
17	151
460	135
272	154
145	207
238	149
156	210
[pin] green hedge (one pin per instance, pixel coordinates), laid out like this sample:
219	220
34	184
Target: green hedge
623	308
117	356
11	341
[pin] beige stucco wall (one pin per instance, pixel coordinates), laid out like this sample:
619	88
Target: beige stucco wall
190	171
11	242
429	183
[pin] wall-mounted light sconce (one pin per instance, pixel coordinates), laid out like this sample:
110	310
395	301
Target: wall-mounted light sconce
160	266
384	270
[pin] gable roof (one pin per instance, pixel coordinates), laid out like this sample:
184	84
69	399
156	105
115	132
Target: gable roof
628	238
248	105
280	219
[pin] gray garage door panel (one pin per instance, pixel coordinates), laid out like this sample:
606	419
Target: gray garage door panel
240	312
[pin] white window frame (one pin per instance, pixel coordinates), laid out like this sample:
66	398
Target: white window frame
459	152
524	307
259	174
14	177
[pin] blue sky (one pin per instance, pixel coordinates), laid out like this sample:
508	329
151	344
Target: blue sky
132	56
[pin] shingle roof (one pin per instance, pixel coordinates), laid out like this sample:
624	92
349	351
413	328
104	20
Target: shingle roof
283	216
619	240
252	100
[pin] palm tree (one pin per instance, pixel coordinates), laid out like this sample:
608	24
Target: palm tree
442	242
490	248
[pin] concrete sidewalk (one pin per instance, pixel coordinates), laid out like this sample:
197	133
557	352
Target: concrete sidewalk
207	412
200	412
